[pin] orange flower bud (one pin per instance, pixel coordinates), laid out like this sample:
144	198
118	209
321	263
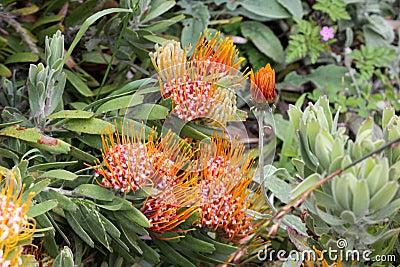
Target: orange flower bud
263	85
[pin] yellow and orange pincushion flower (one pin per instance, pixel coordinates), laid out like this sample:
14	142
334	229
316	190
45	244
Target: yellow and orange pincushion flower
15	225
263	85
211	48
129	163
193	83
225	194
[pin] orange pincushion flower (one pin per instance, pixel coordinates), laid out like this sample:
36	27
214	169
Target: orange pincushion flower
214	49
170	208
263	85
15	226
192	92
225	197
129	163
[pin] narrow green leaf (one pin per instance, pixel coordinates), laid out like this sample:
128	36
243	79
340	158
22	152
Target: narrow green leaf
45	20
42	207
22	57
63	202
78	84
135	215
59	174
120	103
71	114
94	191
51	165
172	255
195	244
4	71
85	26
148	112
77	228
157	10
36	188
90	126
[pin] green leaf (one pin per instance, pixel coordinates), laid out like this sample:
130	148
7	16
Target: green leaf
42	207
59	174
46	19
157	9
94	191
264	39
155	39
63	202
134	85
149	254
172	255
51	165
148	112
305	185
82	155
71	114
270	9
4	71
331	79
97	58
90	126
336	9
35	189
25	10
293	6
64	259
22	133
8	154
85	26
77	228
163	24
120	103
22	57
95	225
52	145
192	27
135	215
78	84
195	244
115	204
127	225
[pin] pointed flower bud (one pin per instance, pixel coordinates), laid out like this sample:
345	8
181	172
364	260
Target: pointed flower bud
263	85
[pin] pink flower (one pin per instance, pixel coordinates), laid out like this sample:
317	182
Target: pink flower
326	33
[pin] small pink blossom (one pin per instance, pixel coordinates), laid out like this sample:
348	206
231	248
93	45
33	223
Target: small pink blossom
327	33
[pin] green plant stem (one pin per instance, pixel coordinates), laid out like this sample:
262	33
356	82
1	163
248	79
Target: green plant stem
261	162
126	21
61	191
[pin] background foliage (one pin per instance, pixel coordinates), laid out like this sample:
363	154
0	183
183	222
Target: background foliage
101	61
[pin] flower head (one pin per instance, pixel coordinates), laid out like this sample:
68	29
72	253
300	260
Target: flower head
263	85
129	163
192	93
167	210
327	33
15	226
225	196
169	60
193	84
211	48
